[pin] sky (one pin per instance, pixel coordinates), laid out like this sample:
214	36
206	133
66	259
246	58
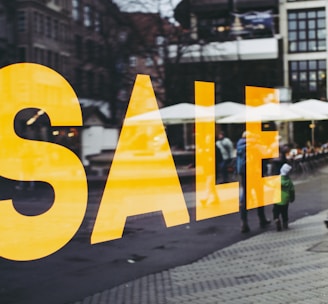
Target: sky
165	7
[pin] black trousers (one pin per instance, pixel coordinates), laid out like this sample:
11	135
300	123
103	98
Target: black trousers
280	210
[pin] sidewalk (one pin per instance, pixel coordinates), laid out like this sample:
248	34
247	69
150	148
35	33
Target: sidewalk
274	267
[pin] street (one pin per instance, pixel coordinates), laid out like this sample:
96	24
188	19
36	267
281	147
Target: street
80	269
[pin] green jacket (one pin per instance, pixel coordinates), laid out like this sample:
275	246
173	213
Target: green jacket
287	190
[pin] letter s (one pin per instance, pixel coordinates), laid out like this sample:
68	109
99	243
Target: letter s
27	85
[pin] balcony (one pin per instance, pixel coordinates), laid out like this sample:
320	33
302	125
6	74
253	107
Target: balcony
250	49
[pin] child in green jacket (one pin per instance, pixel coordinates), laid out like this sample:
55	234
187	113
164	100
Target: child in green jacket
287	196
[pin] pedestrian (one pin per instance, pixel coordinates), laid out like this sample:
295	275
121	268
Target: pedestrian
287	196
224	154
241	172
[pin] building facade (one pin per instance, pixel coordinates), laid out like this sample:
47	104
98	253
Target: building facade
279	44
236	42
303	27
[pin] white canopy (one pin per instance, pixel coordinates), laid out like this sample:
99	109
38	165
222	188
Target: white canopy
175	114
314	105
228	108
272	112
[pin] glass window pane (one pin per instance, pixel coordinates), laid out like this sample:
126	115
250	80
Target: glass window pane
301	25
321	13
292	25
321	23
292	47
311	24
303	65
313	76
312	46
291	16
302	35
312	34
294	77
322	64
311	14
321	75
301	15
303	87
292	36
313	86
294	65
321	34
302	46
303	76
312	65
322	45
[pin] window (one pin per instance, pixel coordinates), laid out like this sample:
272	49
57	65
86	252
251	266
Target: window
160	40
36	22
41	54
21	19
90	83
308	78
36	55
21	54
55	31
97	22
78	76
41	24
99	54
122	36
56	61
76	10
49	59
132	61
89	48
87	20
48	27
78	47
306	31
149	61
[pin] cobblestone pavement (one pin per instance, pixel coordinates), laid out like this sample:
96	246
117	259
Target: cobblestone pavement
290	266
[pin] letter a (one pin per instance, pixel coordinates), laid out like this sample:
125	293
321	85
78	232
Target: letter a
143	176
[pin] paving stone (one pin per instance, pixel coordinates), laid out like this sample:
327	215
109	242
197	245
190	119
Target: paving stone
287	267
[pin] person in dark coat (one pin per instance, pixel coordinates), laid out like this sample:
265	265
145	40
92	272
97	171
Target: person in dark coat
241	171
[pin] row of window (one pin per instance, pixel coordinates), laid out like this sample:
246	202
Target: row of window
44	26
90	83
147	61
308	77
94	52
58	62
50	27
307	33
307	30
51	59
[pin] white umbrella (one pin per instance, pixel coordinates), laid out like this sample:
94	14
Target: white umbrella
313	109
314	105
307	114
228	108
275	112
266	112
175	114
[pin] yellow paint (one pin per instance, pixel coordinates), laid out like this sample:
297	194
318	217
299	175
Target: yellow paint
31	237
260	191
142	177
211	200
